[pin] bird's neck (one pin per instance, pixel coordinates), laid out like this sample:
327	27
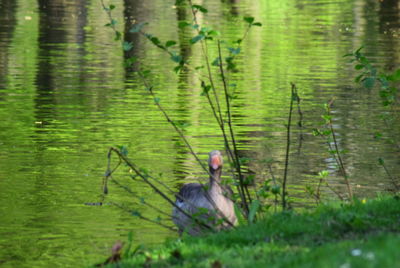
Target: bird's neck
215	178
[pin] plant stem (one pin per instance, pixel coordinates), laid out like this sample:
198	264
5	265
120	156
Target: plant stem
341	165
204	49
284	201
393	181
244	188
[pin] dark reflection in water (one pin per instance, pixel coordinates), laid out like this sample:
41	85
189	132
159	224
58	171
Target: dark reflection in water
65	97
7	25
133	13
57	28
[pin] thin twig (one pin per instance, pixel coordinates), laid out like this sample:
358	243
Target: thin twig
392	180
143	217
141	200
300	122
341	164
244	189
284	202
158	191
177	129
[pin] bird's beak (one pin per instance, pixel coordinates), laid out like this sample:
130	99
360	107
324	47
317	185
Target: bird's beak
215	162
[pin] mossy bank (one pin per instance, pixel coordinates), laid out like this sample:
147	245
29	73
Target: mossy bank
363	234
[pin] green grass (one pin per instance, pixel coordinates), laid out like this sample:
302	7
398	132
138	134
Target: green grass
363	234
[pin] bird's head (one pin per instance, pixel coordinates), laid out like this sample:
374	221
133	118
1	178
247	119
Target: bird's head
215	160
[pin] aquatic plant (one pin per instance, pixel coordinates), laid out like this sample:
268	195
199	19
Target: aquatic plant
388	91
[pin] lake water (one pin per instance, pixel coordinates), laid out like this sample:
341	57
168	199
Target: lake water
65	98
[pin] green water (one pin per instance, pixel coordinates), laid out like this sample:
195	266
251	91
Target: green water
65	98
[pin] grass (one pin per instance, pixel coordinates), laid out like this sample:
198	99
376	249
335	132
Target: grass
363	234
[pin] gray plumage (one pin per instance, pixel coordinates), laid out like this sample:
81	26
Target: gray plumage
208	203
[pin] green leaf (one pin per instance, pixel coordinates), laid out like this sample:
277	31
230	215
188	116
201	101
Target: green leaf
326	117
200	8
136	213
381	161
111	7
123	149
129	61
206	88
182	124
137	27
170	43
358	50
358	66
213	33
310	190
364	60
146	73
117	36
176	58
316	132
127	45
384	81
249	20
157	100
155	40
239	215
183	24
378	135
395	76
231	64
327	132
332	151
234	51
358	78
369	82
249	180
178	68
255	205
276	189
257	24
128	248
323	174
216	62
197	38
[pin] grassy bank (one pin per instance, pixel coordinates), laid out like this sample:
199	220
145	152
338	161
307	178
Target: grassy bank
364	234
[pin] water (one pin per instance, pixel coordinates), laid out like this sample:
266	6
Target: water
65	98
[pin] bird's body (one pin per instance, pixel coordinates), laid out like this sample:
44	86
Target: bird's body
207	203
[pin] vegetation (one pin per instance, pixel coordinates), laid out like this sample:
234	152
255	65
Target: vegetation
263	238
362	234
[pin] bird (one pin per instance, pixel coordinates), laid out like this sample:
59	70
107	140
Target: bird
208	203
